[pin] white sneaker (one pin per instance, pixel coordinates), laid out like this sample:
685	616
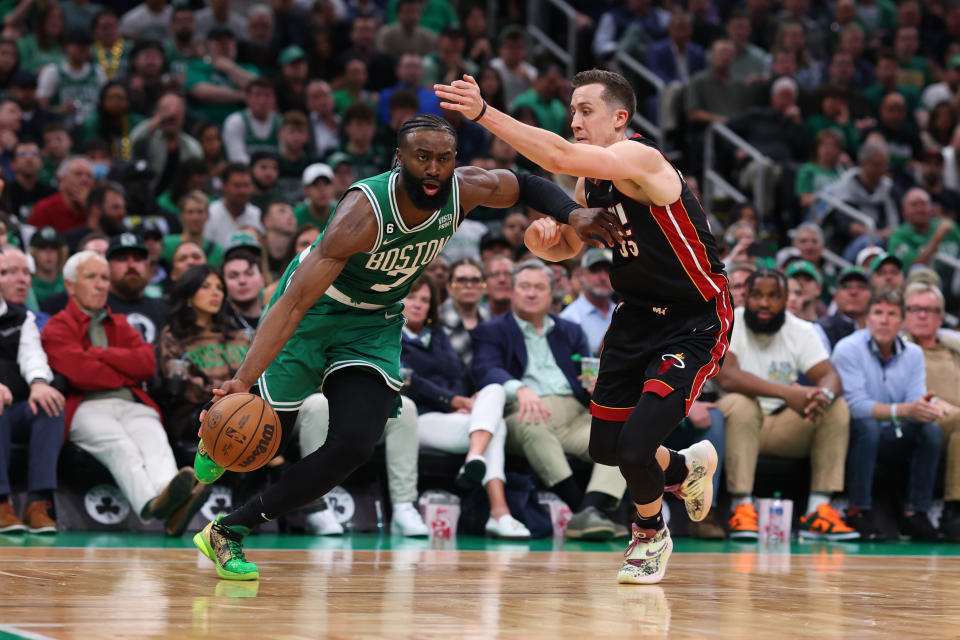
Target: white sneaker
697	490
507	527
646	557
407	521
324	523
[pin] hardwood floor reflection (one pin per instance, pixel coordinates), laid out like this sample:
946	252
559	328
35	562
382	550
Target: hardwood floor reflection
512	593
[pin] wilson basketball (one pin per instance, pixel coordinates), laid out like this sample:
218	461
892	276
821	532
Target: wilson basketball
241	432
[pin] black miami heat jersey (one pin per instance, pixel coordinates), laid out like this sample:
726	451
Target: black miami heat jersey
669	255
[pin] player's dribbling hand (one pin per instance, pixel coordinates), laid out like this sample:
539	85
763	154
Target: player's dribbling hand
462	95
227	388
542	234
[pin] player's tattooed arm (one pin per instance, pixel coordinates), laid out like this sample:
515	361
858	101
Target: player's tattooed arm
501	189
352	230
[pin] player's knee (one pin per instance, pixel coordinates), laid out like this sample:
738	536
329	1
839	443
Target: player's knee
635	457
603	447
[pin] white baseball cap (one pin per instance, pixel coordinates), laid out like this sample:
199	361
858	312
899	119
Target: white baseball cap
315	171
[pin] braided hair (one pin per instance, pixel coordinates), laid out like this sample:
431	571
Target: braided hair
767	273
424	121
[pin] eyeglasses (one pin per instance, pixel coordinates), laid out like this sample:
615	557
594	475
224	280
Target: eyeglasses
915	309
856	284
499	274
463	281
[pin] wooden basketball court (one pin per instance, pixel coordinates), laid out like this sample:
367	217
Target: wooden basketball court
365	587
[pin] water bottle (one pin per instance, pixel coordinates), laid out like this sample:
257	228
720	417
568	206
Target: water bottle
777	526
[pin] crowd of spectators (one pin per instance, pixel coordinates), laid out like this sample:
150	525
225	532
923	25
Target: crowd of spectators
163	163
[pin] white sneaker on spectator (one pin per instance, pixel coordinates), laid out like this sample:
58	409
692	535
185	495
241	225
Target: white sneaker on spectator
324	523
407	521
506	526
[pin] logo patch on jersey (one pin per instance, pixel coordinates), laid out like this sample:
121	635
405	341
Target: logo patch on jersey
445	221
671	360
662	311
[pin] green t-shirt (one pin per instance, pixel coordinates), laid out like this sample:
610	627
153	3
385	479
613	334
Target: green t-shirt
435	14
915	73
551	114
811	178
165	203
875	94
906	242
33	58
342	99
43	289
200	71
816	124
212	250
302	213
368	164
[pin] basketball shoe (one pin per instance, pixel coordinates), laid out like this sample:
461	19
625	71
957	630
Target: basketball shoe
826	524
646	556
743	523
224	546
696	490
206	470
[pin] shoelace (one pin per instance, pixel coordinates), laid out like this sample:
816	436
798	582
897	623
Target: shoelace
234	541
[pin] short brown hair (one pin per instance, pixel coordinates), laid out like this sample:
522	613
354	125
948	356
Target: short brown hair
294	119
617	92
889	296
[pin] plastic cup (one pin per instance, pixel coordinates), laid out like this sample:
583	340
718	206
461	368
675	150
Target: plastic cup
442	520
589	368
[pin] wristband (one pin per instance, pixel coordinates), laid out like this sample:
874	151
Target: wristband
830	395
483	110
893	415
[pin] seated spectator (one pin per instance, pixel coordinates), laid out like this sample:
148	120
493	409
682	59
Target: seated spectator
768	413
462	311
851	298
737	275
750	62
946	90
808	277
901	135
513	227
941	357
45	46
352	88
72	87
938	131
922	236
112	121
824	168
34	118
499	271
244	279
808	238
108	415
675	58
593	308
548	98
161	140
255	47
438	272
530	354
26	188
946	200
264	173
866	187
186	255
406	35
291	84
516	74
56	149
367	159
280	223
892	418
199	349
67	208
791	37
49	253
451	419
184	46
887	81
194	215
409	76
448	63
106	213
215	84
914	70
112	50
234	209
255	127
324	121
30	411
294	154
150	19
15	281
220	14
318	187
208	135
834	114
886	272
128	259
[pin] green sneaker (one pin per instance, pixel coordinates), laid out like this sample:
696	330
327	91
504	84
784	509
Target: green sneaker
224	546
206	470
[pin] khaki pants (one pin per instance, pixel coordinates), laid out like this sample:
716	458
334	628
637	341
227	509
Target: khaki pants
950	427
567	431
749	433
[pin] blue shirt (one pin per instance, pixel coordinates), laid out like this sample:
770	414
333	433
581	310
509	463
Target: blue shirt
593	321
867	379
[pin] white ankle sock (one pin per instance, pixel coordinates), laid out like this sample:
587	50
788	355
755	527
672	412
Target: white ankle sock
817	499
739	500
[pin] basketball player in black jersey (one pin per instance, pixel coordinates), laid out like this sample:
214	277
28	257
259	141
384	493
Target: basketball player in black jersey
671	330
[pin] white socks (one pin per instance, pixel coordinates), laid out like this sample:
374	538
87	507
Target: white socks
817	499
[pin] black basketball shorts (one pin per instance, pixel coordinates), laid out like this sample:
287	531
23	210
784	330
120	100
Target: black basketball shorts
660	350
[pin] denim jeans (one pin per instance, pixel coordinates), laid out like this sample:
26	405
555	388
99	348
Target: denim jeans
682	438
45	435
871	440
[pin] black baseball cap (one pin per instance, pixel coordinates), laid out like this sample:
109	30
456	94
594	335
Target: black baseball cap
47	237
126	241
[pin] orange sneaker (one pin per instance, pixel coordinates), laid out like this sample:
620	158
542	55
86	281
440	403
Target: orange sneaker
743	522
37	515
9	522
826	523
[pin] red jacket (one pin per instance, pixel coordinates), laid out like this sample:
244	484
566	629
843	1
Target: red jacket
127	362
53	211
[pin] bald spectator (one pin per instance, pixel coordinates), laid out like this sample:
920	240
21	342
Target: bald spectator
162	142
108	415
67	208
406	35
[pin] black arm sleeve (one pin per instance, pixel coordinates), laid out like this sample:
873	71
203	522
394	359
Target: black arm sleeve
545	196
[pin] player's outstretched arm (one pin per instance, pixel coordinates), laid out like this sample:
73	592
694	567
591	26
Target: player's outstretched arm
352	230
623	160
549	240
501	189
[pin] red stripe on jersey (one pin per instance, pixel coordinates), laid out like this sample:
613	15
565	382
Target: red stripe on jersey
683	238
658	387
711	368
613	414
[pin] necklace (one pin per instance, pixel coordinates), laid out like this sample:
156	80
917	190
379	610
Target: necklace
116	55
125	152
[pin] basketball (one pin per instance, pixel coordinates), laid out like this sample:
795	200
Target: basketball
241	432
